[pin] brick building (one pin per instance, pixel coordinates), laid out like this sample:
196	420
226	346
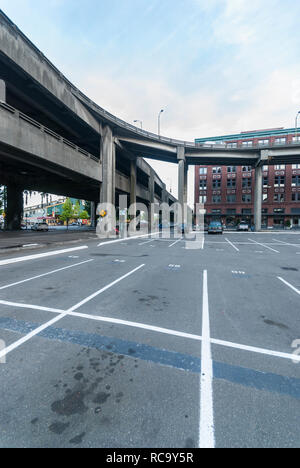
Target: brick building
228	192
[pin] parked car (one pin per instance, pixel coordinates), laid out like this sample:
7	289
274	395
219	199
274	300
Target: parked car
215	227
243	226
40	227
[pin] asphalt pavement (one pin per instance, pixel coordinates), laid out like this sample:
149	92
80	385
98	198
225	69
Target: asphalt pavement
152	342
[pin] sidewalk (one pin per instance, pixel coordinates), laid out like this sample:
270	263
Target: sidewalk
26	240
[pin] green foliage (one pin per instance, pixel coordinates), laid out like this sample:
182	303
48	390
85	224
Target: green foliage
84	215
67	211
76	210
87	208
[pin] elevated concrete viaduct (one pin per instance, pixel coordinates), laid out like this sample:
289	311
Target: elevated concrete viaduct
53	138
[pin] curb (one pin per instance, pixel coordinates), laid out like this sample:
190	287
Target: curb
22	248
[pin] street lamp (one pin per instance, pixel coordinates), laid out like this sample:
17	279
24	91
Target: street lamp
140	122
296	125
159	121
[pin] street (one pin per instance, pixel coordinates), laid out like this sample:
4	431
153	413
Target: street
147	343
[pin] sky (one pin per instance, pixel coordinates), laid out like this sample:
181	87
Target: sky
214	66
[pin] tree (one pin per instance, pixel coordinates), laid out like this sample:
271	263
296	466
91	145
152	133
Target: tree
77	209
67	211
87	207
84	215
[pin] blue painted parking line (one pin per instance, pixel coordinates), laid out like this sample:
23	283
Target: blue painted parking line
246	377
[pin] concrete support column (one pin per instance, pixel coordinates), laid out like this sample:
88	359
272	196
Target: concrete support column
2	91
93	214
258	189
133	177
108	158
182	182
151	203
15	206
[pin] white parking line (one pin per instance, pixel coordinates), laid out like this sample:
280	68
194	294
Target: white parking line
38	330
253	349
21	305
126	239
289	285
167	331
287	243
45	274
92	296
232	244
174	243
264	245
147	242
41	255
206	436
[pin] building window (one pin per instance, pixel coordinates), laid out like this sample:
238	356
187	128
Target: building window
279	210
280	141
202	199
231	198
246	198
231	183
246	168
247	144
296	181
296	166
265	168
279	197
265	197
266	181
263	142
231	145
203	184
231	211
246	211
296	139
217	170
217	183
296	197
216	199
280	167
231	169
247	183
279	181
202	170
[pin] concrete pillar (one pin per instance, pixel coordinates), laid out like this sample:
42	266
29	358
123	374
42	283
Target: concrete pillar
108	158
258	190
15	206
182	182
93	214
151	203
2	91
133	177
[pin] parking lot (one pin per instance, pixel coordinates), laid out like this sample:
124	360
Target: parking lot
148	342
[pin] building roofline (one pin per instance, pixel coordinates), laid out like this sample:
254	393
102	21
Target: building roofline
249	135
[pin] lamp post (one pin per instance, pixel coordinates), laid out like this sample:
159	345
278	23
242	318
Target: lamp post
296	125
162	110
140	122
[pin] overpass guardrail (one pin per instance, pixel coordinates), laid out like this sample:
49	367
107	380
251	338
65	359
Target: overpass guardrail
46	130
